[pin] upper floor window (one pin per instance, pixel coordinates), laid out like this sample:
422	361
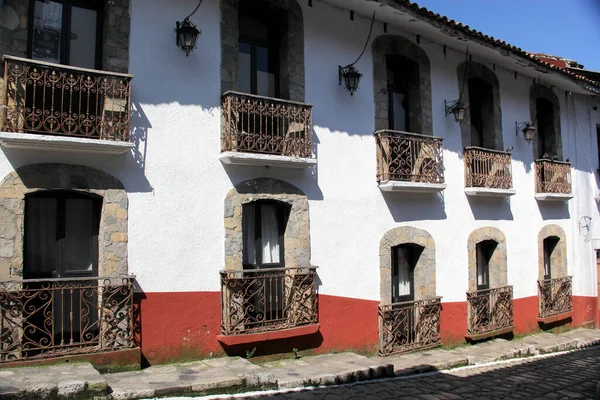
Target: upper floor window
403	91
481	107
545	114
263	227
66	32
258	57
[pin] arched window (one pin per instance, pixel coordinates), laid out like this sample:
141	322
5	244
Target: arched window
545	114
263	226
549	246
404	260
484	253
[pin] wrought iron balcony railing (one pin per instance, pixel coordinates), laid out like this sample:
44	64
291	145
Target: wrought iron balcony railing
266	125
487	168
268	299
46	98
489	310
408	326
554	297
403	156
55	317
552	176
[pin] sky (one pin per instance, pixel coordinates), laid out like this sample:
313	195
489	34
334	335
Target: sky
566	28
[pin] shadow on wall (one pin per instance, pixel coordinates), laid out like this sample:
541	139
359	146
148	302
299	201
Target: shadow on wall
554	210
415	206
493	209
276	346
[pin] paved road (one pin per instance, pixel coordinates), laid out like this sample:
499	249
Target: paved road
565	376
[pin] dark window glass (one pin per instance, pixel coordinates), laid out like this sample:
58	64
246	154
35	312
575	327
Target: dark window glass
481	106
263	227
549	246
545	128
404	260
400	75
484	252
66	32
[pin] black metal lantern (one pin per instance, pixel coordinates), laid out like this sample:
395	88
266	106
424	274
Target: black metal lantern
351	78
528	130
457	109
187	33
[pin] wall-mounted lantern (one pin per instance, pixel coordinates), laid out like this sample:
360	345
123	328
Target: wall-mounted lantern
351	78
527	128
187	33
457	109
349	74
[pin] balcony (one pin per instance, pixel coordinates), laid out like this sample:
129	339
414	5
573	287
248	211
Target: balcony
48	106
268	300
552	180
409	162
408	326
57	317
554	299
264	131
489	312
488	172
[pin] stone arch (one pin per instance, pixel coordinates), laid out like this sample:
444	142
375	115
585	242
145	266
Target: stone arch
559	255
498	262
538	91
420	110
291	59
29	179
424	273
296	240
472	69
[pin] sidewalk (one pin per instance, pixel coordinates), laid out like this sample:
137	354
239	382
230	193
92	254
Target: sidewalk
235	374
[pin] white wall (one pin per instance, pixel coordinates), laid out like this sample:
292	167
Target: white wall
177	185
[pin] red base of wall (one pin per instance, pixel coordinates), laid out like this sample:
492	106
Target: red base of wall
185	326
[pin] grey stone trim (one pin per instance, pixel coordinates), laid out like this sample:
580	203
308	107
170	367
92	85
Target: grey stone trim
558	259
291	61
112	238
554	141
115	41
498	265
424	272
420	114
493	136
296	239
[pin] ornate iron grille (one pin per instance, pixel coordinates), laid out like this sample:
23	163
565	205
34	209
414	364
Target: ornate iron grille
403	156
266	125
552	176
489	310
268	299
47	98
487	168
55	317
554	297
409	326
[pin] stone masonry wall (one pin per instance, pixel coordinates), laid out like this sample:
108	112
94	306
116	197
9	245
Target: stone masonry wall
558	259
424	272
112	238
498	271
296	240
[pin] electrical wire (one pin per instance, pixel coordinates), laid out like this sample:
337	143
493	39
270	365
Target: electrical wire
195	9
368	38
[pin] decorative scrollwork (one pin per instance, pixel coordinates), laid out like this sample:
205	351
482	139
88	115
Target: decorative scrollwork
56	99
552	176
489	310
409	326
555	297
266	125
403	156
54	317
487	168
268	299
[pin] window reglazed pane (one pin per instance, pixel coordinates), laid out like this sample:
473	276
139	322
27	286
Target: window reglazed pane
82	51
244	68
47	24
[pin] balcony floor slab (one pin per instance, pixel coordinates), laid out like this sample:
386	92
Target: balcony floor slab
414	187
553	196
34	141
489	192
265	160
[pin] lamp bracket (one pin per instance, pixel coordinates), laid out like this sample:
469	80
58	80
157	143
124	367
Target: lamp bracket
521	126
449	106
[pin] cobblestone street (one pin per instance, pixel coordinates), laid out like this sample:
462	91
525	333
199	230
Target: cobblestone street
566	376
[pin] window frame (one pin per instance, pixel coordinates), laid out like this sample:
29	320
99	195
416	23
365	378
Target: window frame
486	250
65	42
398	82
411	255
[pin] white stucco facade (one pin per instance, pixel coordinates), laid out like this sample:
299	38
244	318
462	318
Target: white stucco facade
177	185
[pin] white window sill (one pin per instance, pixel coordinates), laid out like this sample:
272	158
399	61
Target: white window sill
489	192
553	196
265	160
31	141
407	186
